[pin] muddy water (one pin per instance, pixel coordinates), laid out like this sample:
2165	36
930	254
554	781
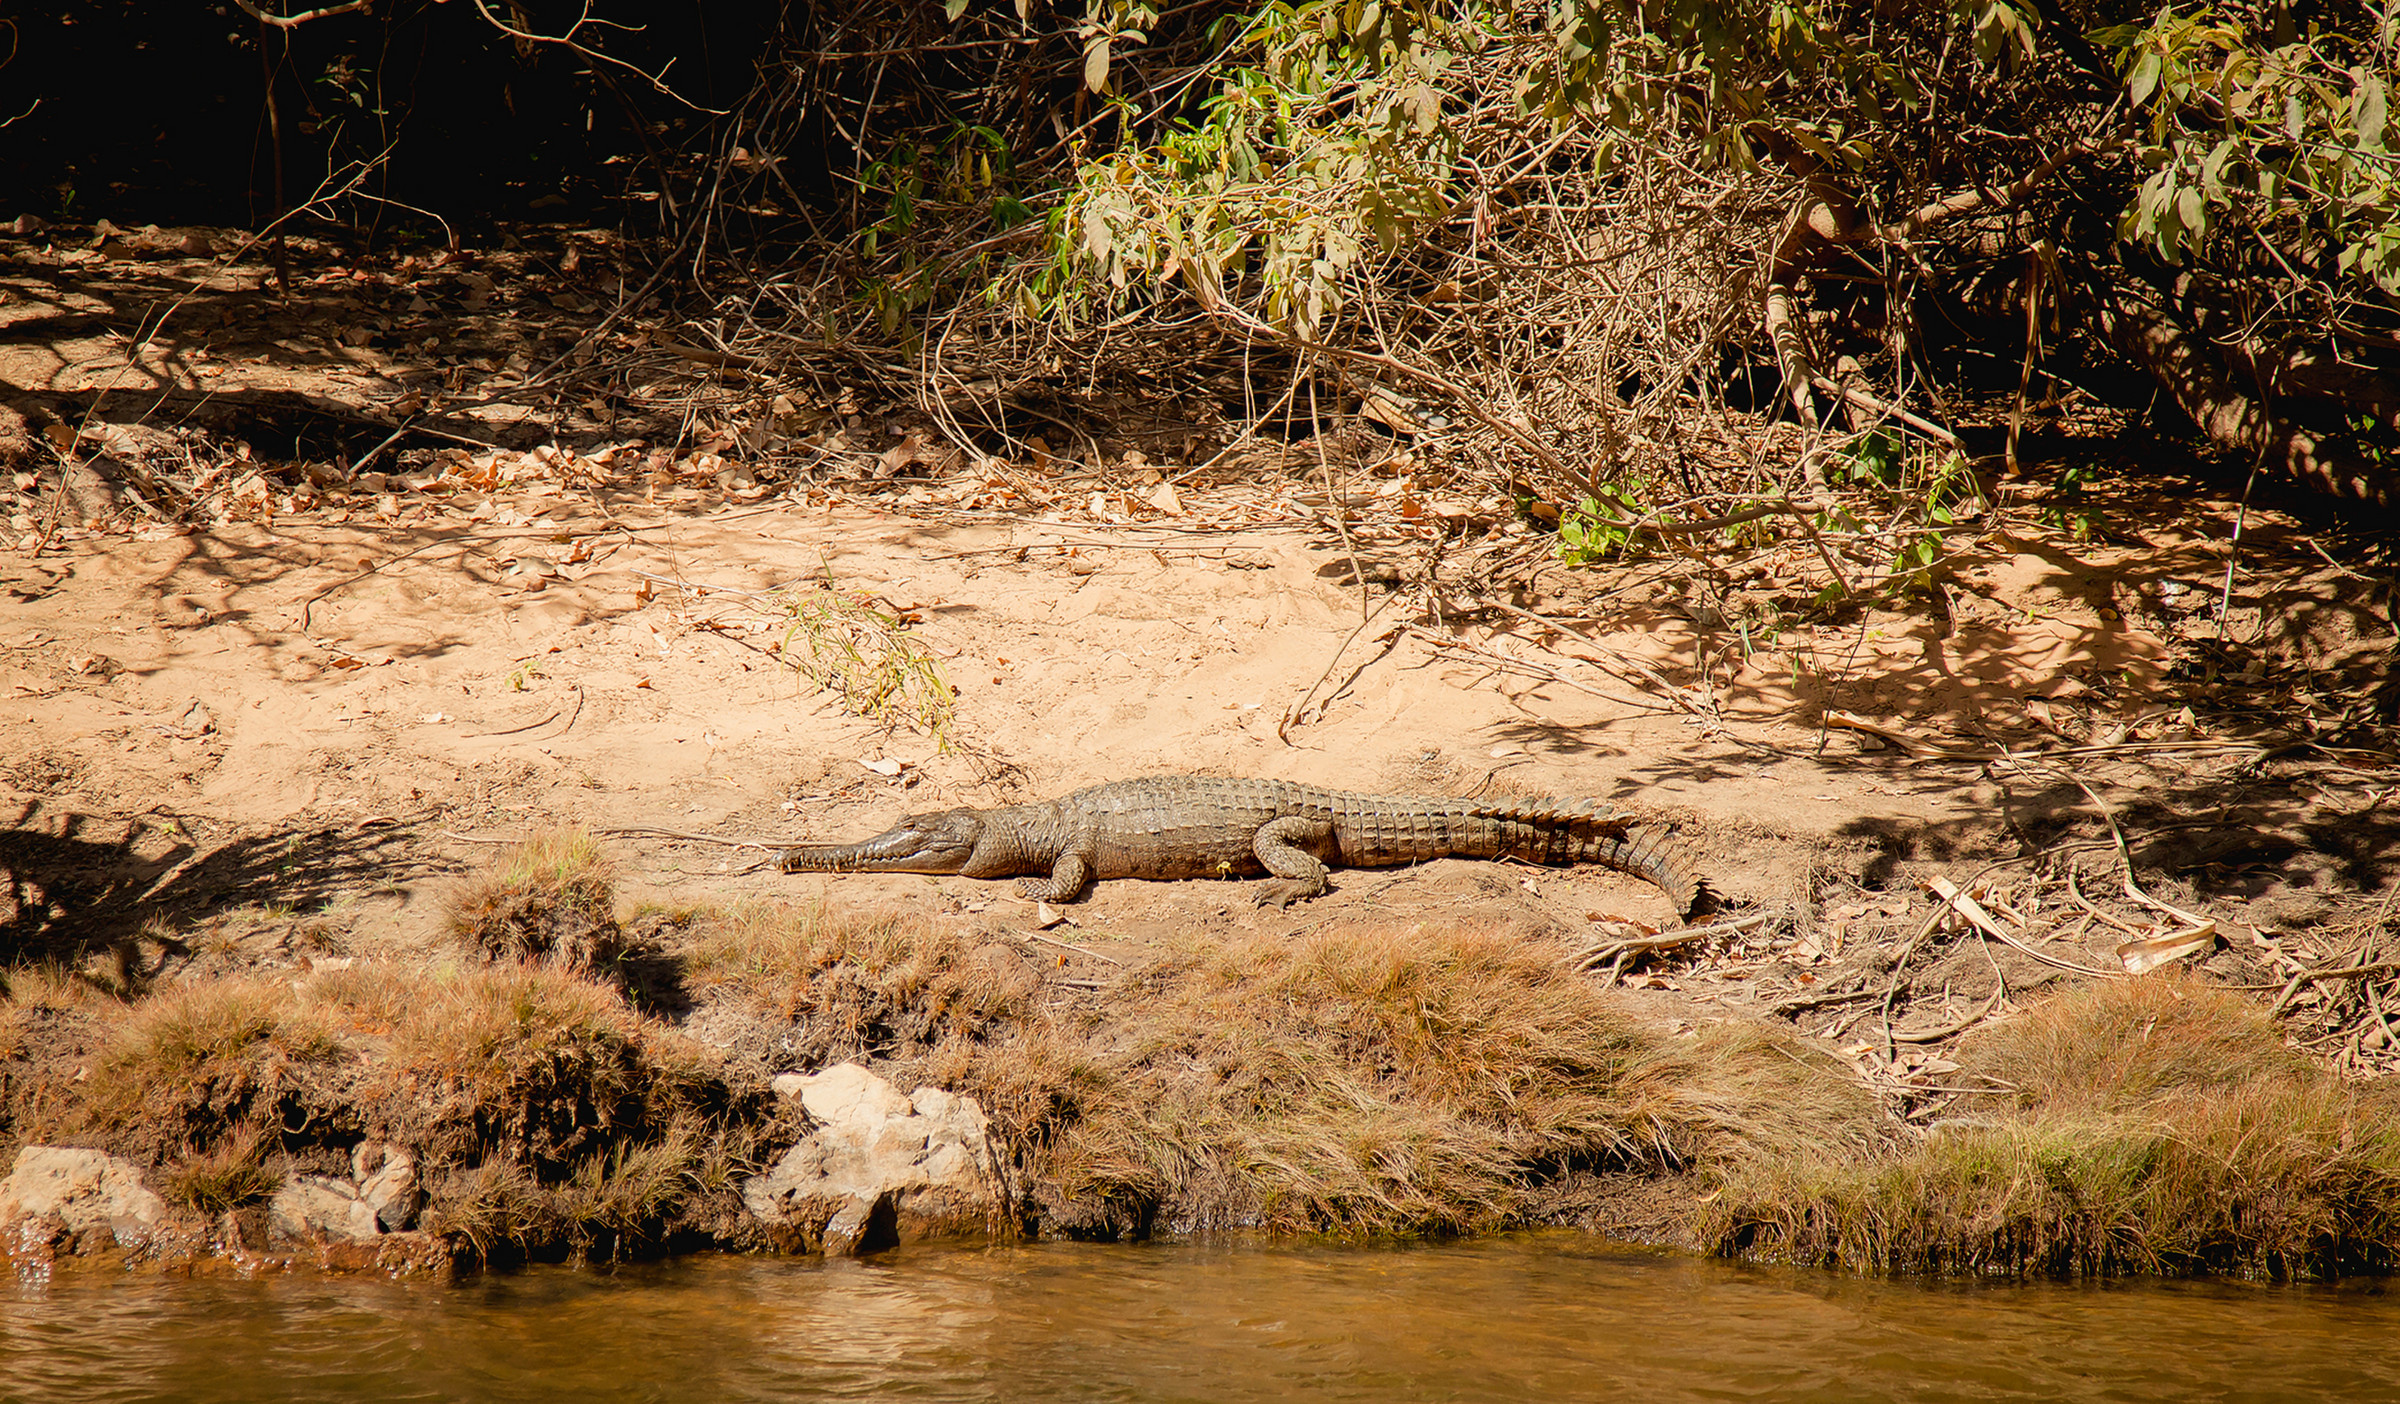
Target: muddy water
1548	1317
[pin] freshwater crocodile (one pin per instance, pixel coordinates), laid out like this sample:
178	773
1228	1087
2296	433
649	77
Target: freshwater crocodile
1191	826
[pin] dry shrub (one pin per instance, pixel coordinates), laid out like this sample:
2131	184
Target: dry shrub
874	985
550	896
545	1112
548	1114
1393	1081
1358	1081
525	1062
181	1068
2159	1126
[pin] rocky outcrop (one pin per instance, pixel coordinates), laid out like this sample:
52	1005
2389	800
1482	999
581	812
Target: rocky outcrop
80	1200
881	1169
380	1197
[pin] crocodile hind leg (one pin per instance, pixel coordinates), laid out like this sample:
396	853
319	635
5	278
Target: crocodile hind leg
1298	873
1065	883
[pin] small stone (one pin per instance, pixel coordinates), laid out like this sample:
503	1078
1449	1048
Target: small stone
387	1185
851	1093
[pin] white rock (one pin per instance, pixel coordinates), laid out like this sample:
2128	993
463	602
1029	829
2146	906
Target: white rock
851	1093
880	1168
387	1184
318	1206
82	1189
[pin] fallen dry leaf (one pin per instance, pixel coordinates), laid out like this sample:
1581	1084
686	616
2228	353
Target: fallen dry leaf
2148	953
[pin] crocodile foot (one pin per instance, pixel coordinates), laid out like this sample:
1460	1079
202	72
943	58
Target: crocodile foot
1280	893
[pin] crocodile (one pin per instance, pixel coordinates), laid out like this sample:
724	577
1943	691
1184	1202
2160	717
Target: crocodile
1192	826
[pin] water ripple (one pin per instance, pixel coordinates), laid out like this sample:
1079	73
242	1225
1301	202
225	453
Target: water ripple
1554	1317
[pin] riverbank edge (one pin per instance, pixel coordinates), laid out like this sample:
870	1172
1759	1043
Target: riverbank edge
561	1084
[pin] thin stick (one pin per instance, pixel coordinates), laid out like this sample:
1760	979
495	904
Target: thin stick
511	731
2125	856
648	832
1966	906
1068	946
1950	1030
1526	666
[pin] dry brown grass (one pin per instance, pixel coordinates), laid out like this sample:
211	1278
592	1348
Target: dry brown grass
1380	1080
2157	1126
180	1069
227	1175
550	897
529	1061
1355	1081
860	985
545	1113
1361	1081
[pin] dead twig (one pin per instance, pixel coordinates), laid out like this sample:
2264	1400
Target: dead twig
645	831
1624	667
1069	946
1915	745
1955	900
1521	665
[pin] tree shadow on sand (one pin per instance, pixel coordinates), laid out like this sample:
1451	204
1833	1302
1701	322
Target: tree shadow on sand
63	893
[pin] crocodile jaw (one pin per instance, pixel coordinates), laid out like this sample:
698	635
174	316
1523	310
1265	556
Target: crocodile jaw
921	843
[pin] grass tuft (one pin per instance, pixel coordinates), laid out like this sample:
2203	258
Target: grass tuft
182	1068
875	985
1353	1082
2158	1126
225	1176
1381	1081
550	897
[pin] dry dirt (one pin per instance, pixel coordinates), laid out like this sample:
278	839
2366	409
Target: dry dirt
296	722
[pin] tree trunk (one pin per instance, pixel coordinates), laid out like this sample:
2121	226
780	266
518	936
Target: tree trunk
2254	399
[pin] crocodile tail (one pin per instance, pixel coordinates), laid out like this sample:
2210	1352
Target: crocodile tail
1651	856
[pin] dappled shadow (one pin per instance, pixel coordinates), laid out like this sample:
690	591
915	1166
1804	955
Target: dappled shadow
66	890
2221	825
159	326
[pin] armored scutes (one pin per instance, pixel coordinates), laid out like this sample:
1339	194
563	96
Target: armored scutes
1190	826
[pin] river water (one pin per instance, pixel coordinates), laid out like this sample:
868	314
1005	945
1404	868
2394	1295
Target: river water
1534	1317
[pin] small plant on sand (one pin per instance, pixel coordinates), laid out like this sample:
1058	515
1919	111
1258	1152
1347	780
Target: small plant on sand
549	897
866	657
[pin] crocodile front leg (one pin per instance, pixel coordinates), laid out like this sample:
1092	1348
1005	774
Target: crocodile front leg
1298	874
1066	881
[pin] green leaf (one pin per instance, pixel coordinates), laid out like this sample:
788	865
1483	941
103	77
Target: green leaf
2369	117
952	9
1095	64
2143	81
